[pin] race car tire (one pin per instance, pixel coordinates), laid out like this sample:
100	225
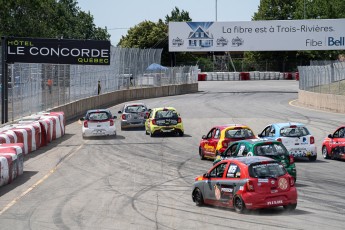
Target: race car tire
239	205
312	158
201	154
180	133
152	134
290	207
198	198
147	133
325	152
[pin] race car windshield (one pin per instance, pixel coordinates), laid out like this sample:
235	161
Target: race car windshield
166	114
99	116
270	150
238	133
266	170
294	132
135	109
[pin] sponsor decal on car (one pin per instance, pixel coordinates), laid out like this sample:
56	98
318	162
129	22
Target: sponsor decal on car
217	192
274	202
282	183
226	189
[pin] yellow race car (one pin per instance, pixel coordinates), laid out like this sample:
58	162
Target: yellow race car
164	120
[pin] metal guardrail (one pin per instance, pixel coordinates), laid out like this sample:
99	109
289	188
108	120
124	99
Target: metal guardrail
29	90
327	77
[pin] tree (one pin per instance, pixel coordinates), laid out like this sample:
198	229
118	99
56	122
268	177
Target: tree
149	34
49	19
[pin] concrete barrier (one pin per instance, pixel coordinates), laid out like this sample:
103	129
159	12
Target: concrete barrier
329	102
78	108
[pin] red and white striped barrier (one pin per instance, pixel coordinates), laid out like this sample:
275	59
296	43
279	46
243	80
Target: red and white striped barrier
17	150
58	129
17	140
8	168
4	171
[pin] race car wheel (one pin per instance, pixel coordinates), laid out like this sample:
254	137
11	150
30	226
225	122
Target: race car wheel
197	197
152	134
325	152
180	133
201	154
290	207
312	158
147	133
239	205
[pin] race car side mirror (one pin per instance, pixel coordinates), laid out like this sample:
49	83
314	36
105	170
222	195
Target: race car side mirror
203	137
206	175
82	119
115	117
330	136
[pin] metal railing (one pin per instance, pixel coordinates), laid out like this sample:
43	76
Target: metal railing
327	77
29	91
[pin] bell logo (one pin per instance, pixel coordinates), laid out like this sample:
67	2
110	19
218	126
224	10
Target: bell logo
336	42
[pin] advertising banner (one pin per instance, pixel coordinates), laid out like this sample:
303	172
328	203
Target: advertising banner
58	51
274	35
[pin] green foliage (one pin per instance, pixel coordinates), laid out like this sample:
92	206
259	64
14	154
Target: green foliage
48	19
149	34
177	16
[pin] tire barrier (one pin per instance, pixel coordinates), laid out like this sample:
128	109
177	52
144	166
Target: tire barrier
24	137
245	76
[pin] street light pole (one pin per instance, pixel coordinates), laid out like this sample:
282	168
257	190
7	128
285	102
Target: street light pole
216	10
304	9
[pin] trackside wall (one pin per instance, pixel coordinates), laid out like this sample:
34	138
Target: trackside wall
330	102
78	108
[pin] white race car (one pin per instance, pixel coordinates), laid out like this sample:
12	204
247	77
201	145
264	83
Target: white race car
295	136
98	122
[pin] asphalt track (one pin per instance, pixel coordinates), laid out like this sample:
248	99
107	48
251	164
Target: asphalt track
134	181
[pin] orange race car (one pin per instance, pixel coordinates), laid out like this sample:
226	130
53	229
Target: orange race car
219	137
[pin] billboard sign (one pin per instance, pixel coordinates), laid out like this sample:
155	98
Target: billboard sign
273	35
58	51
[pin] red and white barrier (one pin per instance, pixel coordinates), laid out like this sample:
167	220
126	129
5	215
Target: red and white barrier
8	168
4	171
18	152
57	130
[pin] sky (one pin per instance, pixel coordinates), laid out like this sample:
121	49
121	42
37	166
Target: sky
120	15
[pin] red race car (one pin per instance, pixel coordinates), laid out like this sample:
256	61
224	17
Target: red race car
333	146
219	137
242	183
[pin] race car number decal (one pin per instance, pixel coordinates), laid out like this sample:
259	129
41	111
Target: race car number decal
232	169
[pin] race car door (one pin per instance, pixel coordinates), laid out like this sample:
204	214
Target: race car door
209	143
224	181
338	142
211	188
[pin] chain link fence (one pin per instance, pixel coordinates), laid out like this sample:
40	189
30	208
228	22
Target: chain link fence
327	77
38	87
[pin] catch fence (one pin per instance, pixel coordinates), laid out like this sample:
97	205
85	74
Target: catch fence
327	77
39	87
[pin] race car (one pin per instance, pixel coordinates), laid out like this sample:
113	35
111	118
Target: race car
133	115
98	122
259	147
164	120
219	137
333	146
295	136
246	183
